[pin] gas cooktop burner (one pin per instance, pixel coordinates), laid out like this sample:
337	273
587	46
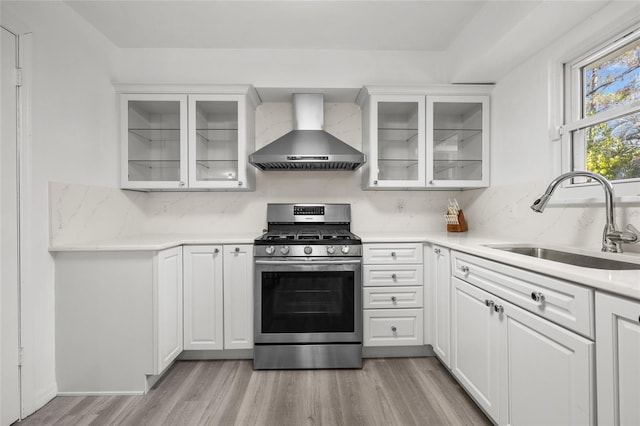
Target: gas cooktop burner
308	230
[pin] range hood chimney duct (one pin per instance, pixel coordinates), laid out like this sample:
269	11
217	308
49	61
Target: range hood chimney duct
307	146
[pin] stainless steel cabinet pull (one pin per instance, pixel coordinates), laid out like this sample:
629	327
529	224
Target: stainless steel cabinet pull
393	254
537	296
489	303
393	299
436	251
237	249
498	308
394	276
464	269
239	183
181	183
393	328
216	251
375	182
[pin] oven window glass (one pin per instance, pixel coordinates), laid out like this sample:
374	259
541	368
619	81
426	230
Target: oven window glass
308	302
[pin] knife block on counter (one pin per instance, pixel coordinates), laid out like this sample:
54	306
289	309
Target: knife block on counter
461	226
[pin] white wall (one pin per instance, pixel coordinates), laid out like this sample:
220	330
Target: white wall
73	125
525	108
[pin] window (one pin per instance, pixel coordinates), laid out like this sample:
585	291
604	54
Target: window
602	109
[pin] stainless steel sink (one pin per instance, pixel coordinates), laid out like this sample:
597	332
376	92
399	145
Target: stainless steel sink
575	259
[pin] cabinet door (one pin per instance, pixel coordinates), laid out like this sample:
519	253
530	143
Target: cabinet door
397	138
618	360
203	307
474	344
457	141
440	281
546	371
238	296
153	141
217	141
167	307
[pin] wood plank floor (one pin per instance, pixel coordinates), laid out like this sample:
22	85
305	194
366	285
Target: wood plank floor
391	391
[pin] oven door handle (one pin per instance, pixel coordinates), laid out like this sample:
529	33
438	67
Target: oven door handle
308	262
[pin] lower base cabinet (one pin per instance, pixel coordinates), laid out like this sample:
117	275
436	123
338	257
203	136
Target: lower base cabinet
218	291
520	368
618	359
118	319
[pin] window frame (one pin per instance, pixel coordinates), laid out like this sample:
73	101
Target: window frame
626	190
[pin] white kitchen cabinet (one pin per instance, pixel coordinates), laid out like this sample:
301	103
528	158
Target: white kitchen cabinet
218	293
118	319
457	141
153	141
184	137
393	294
440	287
168	307
238	296
520	367
433	137
618	359
203	297
395	127
474	345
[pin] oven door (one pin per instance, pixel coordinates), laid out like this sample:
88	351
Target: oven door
313	300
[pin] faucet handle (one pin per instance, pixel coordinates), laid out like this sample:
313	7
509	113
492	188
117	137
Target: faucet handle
633	235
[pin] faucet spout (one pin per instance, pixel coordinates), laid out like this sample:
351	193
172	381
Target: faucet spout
611	240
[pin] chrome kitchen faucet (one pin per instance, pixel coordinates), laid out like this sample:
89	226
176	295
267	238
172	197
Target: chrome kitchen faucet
612	239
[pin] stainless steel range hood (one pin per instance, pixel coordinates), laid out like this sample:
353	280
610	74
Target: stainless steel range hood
307	146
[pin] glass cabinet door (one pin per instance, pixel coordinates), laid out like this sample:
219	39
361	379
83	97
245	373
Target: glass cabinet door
457	141
215	139
154	141
398	157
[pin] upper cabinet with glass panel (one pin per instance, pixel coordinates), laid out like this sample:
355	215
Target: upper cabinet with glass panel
416	140
187	141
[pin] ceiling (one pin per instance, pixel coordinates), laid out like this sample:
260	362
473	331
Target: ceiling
479	37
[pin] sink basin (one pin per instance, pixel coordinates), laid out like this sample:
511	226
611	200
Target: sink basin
570	258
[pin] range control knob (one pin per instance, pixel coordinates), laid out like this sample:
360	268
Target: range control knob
331	249
308	250
284	250
270	250
345	249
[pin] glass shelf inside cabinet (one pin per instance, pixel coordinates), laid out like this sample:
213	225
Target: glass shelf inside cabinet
156	135
217	170
217	135
457	169
154	170
459	135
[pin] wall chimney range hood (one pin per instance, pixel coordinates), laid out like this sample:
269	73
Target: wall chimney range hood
307	146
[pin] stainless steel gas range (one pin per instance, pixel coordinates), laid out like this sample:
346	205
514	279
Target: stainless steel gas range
308	289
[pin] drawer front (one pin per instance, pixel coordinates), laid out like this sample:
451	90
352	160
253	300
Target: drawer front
392	297
393	327
392	253
390	275
562	302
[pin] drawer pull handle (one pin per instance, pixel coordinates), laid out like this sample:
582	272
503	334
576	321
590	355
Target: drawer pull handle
489	303
237	249
498	308
393	299
436	251
393	254
216	251
394	276
464	269
393	328
537	296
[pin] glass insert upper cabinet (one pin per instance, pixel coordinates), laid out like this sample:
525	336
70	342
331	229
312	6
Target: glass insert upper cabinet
217	138
458	141
188	141
397	142
154	140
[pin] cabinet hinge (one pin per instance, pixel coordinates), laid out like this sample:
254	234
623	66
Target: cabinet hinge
20	357
18	77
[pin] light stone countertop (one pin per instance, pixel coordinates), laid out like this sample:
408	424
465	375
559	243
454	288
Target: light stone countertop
626	283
